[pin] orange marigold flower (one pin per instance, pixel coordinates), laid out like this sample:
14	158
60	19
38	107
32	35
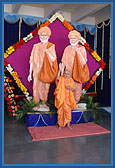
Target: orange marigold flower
67	25
93	78
47	23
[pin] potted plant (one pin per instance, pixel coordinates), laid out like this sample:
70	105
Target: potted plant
92	109
26	106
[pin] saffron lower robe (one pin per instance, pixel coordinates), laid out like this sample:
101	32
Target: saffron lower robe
64	100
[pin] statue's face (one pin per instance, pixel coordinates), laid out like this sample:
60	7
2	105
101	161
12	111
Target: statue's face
73	39
44	37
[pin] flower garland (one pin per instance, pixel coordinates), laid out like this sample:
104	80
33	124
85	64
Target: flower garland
11	49
98	59
17	80
9	96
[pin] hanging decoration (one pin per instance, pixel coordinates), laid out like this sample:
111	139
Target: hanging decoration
98	59
102	55
20	22
99	27
85	33
103	24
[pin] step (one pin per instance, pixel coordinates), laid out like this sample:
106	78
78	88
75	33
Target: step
37	119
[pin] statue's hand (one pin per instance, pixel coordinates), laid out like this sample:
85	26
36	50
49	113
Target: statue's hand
61	68
82	58
52	57
29	78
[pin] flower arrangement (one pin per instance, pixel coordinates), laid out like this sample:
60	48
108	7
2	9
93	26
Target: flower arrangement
17	80
9	96
92	109
27	107
98	59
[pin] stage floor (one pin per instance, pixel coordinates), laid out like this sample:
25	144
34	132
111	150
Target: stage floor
19	148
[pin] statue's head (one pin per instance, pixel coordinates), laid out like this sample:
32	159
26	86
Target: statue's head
74	37
44	34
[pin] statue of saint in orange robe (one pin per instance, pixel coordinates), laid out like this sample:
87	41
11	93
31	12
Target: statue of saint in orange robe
64	99
43	63
75	60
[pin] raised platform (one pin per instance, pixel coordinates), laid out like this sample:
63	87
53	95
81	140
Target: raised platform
36	119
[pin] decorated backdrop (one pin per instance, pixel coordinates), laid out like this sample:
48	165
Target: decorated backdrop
17	55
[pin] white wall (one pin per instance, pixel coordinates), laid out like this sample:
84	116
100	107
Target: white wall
26	10
32	11
98	17
8	8
66	15
88	20
103	15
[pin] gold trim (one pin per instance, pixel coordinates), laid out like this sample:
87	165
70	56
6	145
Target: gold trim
99	27
103	24
107	23
42	112
52	112
29	24
37	24
12	22
90	33
20	30
39	19
84	29
85	33
102	56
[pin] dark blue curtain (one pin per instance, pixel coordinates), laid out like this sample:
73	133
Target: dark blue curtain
90	40
99	52
11	34
82	33
104	95
26	29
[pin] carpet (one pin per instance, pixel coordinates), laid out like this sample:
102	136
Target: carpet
52	132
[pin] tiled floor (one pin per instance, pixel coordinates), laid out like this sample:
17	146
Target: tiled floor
19	148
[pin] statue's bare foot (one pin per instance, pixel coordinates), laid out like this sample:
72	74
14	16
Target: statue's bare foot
69	126
36	108
45	106
59	128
